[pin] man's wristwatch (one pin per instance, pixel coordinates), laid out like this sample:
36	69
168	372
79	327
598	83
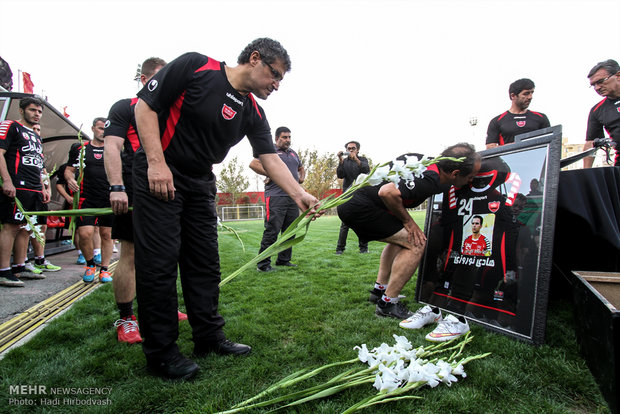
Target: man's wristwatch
117	188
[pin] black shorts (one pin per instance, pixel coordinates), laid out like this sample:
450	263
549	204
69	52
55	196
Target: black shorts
31	201
367	220
101	221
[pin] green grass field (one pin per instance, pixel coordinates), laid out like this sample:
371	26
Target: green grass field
295	318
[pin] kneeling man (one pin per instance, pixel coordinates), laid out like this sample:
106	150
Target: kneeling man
380	213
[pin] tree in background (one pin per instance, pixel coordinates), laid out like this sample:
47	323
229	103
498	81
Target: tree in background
320	171
233	180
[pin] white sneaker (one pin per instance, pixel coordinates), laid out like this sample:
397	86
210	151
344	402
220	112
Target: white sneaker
448	329
422	317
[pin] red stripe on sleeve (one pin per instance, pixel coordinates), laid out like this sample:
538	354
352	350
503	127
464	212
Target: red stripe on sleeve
4	128
599	105
255	105
171	123
211	64
502	115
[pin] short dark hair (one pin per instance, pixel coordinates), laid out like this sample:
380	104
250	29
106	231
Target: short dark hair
357	144
270	50
520	85
148	66
280	130
610	66
99	118
478	217
24	102
460	150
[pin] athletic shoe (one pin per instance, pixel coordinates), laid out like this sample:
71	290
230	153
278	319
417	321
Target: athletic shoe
127	330
422	317
47	267
31	272
115	249
265	268
105	276
363	251
81	260
375	295
182	316
11	281
97	259
89	274
339	252
448	329
393	310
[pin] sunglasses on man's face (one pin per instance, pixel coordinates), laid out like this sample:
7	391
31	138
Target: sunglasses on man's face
351	148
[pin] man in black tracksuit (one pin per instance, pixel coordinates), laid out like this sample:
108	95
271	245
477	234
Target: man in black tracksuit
188	116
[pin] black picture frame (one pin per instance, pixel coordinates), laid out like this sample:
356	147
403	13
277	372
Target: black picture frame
489	245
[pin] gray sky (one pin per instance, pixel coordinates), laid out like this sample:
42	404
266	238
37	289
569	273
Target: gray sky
398	76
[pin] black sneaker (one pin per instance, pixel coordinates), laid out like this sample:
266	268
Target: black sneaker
265	268
363	250
393	310
375	295
223	347
339	252
176	367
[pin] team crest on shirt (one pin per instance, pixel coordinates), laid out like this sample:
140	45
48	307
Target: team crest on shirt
410	184
98	156
520	124
228	113
107	124
153	85
494	206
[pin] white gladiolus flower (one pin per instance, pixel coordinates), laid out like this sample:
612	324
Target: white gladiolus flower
402	343
379	175
360	178
363	353
459	370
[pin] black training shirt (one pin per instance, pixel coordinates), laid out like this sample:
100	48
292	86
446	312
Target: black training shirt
201	116
122	123
605	115
503	128
24	155
95	184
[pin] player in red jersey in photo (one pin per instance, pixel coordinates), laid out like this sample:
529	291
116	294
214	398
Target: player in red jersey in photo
518	119
475	244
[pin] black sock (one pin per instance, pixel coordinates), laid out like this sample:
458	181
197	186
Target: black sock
17	269
91	262
125	309
104	268
38	261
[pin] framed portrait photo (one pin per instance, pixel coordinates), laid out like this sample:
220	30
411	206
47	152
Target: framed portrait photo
490	244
